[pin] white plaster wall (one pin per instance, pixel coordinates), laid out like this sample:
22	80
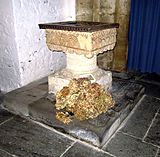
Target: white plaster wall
9	62
24	56
35	60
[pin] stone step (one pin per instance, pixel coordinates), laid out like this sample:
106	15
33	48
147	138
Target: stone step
95	131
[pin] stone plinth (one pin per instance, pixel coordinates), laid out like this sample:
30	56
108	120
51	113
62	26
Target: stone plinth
60	79
34	102
81	41
95	131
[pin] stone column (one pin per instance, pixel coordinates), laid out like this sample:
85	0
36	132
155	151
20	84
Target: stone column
79	64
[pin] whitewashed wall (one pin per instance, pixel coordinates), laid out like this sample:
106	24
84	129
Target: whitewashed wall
9	61
32	57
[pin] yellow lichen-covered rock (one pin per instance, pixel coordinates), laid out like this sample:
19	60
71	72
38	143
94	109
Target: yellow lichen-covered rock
82	99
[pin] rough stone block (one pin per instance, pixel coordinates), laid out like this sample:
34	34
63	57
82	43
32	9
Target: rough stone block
105	60
60	79
17	101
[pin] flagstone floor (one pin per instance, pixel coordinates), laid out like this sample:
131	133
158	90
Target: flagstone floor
138	136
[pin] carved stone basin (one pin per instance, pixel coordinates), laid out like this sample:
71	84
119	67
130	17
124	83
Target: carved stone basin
87	38
81	41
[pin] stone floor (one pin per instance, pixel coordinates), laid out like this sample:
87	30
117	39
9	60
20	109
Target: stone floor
138	136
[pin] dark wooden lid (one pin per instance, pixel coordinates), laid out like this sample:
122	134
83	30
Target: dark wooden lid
82	26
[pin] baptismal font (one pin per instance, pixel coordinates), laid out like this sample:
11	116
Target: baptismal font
81	89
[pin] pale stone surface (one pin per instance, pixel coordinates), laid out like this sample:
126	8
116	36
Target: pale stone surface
60	79
79	64
18	100
87	43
